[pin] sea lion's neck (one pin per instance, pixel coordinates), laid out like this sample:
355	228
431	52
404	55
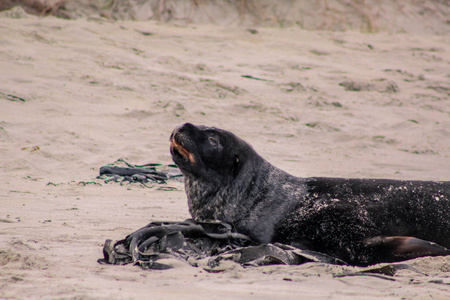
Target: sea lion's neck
204	197
226	198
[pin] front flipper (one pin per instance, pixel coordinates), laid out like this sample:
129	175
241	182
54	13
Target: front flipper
397	248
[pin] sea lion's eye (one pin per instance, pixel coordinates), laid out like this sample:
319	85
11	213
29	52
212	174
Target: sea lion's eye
213	141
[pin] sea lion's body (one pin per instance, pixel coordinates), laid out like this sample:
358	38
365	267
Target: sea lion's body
361	221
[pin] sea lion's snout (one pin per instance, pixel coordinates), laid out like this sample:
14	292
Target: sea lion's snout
177	149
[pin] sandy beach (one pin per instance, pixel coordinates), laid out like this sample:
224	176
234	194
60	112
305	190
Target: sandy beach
79	94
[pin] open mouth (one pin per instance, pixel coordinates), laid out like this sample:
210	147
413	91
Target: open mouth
179	150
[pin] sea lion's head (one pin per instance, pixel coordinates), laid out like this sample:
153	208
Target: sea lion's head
202	151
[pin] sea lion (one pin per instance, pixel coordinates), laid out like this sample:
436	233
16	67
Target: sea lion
361	221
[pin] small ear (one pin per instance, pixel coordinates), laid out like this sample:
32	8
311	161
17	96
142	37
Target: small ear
236	166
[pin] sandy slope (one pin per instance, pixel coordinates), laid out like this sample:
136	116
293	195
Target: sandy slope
95	91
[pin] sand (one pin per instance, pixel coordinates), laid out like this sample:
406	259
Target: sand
78	94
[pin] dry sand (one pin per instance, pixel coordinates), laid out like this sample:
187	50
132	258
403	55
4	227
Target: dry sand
95	91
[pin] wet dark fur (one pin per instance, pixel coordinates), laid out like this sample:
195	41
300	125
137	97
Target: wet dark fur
362	221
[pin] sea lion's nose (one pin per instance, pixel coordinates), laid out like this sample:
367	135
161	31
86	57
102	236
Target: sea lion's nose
180	128
187	126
